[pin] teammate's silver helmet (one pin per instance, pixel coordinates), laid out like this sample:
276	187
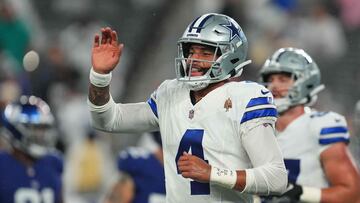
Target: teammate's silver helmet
29	126
304	71
229	42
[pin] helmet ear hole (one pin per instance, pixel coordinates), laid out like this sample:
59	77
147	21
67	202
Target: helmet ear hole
235	60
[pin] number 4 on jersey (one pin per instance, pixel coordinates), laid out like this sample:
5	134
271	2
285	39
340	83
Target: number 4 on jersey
192	139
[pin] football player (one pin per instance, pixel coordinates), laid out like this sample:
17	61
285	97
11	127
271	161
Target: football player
31	171
218	135
146	168
314	144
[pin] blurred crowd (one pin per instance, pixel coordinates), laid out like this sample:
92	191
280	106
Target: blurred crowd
45	51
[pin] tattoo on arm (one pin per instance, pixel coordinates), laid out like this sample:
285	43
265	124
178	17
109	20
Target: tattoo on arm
99	95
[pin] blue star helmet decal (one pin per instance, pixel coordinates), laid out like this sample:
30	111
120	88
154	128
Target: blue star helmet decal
234	31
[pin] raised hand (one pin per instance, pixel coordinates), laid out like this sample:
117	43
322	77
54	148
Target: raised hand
195	168
107	52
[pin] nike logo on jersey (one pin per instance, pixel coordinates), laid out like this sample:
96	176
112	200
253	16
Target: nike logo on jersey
264	91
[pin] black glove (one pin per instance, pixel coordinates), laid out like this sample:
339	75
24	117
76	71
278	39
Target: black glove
293	191
291	195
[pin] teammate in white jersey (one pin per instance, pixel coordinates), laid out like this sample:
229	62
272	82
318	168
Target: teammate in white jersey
314	144
218	136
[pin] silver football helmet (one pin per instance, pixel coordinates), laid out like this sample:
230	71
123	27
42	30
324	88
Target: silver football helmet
229	42
29	126
304	71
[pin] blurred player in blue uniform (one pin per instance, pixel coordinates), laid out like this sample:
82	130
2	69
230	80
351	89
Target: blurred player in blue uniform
314	144
146	168
31	170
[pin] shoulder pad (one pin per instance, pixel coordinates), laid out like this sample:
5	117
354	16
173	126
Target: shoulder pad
259	103
329	127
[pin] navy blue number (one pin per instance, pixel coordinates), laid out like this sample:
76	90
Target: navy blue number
192	139
293	167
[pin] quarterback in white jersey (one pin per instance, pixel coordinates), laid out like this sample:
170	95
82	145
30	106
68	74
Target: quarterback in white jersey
314	144
217	136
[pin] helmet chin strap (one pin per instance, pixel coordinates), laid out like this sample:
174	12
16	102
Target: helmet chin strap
238	70
199	85
313	95
282	104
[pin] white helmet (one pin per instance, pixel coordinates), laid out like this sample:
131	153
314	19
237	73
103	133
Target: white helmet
229	42
302	68
29	126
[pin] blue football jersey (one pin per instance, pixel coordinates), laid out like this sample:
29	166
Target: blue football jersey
40	183
147	173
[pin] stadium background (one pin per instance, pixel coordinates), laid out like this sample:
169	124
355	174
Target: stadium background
61	32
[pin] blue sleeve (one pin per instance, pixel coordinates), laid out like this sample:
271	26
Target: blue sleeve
152	103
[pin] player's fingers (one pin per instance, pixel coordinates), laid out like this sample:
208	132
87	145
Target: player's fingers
96	40
103	36
187	174
121	47
183	158
184	163
114	40
185	168
108	35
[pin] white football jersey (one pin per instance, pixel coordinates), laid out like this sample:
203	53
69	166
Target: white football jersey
304	139
213	130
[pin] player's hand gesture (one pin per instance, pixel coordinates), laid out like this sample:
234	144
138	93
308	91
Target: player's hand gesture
106	51
195	168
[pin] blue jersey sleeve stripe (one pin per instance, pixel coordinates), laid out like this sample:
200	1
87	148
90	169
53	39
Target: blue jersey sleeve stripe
333	130
153	106
333	140
258	101
258	113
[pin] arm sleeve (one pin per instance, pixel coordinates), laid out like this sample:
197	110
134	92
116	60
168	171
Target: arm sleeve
133	117
269	175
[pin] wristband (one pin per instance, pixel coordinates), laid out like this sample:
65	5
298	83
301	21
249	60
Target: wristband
99	80
224	177
310	194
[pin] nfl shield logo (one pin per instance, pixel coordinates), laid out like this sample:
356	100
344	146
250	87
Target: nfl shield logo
191	114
